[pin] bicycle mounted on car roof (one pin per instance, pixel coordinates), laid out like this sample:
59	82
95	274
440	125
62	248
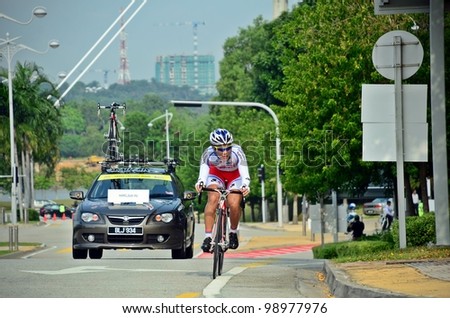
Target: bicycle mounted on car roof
113	135
113	156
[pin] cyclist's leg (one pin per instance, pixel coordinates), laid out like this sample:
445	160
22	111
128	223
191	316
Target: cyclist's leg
213	200
234	204
210	209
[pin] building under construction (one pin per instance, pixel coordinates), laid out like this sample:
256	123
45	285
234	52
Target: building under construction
196	71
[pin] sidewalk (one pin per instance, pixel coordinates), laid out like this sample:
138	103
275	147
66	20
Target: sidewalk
408	278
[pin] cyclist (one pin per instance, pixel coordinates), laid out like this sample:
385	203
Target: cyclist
223	165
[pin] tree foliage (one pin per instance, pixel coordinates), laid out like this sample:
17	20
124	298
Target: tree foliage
38	125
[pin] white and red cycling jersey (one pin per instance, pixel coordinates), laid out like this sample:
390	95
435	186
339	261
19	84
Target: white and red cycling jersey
230	172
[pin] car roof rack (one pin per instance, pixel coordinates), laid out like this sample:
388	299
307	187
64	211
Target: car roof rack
135	164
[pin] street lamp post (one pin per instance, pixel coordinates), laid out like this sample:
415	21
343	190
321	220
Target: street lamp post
277	140
168	117
38	12
10	49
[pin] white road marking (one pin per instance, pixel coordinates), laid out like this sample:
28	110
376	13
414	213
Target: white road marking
95	269
38	252
213	288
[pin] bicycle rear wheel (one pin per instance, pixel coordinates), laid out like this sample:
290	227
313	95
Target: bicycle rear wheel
217	251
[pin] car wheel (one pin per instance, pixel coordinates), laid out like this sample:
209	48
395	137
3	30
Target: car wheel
190	250
96	253
180	253
79	254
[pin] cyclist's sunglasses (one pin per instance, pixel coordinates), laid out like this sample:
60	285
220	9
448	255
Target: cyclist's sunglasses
222	149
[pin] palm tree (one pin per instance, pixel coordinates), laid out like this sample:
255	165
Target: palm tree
38	126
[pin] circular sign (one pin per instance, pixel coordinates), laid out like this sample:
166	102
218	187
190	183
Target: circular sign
384	54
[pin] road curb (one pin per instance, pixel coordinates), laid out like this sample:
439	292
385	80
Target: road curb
341	286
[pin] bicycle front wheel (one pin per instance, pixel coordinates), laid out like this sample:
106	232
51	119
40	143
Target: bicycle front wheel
217	250
223	245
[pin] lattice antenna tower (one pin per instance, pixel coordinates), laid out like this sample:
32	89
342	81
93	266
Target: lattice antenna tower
124	72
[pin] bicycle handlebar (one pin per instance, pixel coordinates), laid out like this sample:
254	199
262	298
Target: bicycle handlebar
112	106
218	190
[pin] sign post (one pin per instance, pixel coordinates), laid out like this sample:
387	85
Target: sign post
397	55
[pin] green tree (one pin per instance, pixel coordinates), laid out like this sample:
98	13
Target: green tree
133	138
37	124
325	53
75	178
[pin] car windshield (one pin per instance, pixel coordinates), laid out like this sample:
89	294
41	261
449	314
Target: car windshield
159	186
379	200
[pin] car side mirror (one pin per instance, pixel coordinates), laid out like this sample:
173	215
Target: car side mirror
76	195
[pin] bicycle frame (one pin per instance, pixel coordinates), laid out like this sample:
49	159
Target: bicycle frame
220	229
113	135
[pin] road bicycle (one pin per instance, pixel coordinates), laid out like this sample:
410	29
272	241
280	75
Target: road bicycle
219	244
113	135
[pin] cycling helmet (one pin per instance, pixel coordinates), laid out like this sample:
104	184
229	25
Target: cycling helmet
352	206
220	136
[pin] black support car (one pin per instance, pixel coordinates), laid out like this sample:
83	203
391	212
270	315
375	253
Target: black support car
134	206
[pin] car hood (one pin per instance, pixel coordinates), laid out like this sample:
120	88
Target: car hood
155	205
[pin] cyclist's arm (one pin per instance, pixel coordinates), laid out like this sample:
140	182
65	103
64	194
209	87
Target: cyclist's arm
204	171
243	167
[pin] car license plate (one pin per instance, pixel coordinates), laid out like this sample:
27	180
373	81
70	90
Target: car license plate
125	230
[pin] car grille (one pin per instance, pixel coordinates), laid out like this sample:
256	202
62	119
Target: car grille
125	239
125	219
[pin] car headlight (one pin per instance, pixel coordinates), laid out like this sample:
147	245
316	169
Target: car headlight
89	217
164	217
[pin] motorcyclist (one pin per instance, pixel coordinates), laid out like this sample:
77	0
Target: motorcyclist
356	227
351	212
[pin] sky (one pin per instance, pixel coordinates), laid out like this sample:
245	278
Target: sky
159	27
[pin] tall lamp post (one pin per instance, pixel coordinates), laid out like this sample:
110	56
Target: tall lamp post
38	12
9	48
168	117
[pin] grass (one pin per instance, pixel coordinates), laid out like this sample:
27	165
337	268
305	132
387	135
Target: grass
6	251
409	253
